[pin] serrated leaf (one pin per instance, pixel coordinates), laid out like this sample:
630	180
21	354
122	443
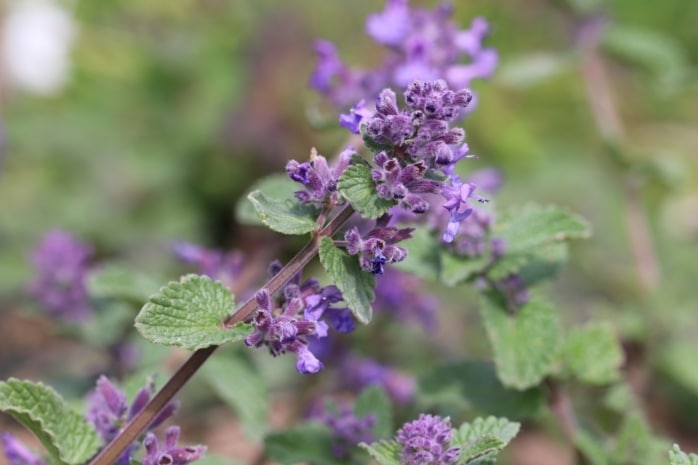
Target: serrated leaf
374	401
384	452
677	457
308	443
534	226
357	186
593	354
66	435
423	255
276	186
115	281
189	314
482	438
357	285
242	388
285	216
526	343
476	383
455	269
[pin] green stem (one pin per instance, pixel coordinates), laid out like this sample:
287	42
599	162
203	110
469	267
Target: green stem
137	426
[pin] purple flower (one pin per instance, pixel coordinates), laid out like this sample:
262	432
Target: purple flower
425	441
348	429
421	45
403	295
108	410
359	373
514	290
377	248
61	263
16	453
320	181
457	203
169	453
216	264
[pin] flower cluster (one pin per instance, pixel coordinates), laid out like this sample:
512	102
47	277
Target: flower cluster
377	247
348	429
306	311
169	453
422	45
61	263
425	441
318	178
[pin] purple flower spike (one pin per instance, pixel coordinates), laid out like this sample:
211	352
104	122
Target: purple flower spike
318	178
61	263
16	453
362	372
425	441
170	453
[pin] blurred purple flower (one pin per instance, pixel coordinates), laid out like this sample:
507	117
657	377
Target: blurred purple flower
359	373
169	453
216	264
426	441
421	44
61	263
348	429
403	295
16	453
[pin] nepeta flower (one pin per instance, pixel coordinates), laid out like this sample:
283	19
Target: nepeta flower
61	263
377	248
348	429
425	441
403	295
216	264
358	373
16	453
422	44
319	179
169	453
108	410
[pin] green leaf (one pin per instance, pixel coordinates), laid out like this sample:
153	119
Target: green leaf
276	186
423	255
457	269
66	435
357	285
308	443
480	440
284	216
370	144
534	226
533	69
591	448
635	442
189	314
476	383
593	354
384	452
677	457
357	186
534	265
373	400
115	281
526	343
242	388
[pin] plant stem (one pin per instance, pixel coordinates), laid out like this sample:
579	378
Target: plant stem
137	426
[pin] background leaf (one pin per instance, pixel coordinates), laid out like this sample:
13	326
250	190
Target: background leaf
287	216
593	354
373	400
384	452
65	434
357	285
189	314
276	186
480	439
308	443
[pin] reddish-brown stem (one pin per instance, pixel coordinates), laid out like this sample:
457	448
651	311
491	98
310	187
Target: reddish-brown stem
111	453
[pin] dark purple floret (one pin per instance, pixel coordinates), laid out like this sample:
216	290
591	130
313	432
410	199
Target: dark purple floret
169	453
425	441
376	249
318	178
61	263
16	453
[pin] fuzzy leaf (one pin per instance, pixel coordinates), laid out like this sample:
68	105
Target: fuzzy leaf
119	282
534	265
677	457
287	216
384	452
276	186
480	440
525	344
593	354
357	285
307	443
357	186
66	435
242	388
373	400
423	255
534	226
457	269
189	314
